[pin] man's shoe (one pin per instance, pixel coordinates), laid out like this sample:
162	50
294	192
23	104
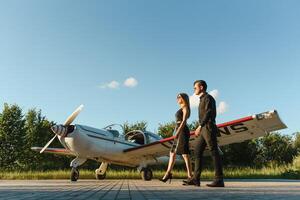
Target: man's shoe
187	180
191	182
216	183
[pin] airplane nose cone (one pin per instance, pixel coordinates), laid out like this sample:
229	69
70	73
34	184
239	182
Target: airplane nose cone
59	130
54	128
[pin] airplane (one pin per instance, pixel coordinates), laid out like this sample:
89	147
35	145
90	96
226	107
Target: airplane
141	149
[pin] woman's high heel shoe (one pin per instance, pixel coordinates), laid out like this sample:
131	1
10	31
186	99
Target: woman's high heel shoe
168	177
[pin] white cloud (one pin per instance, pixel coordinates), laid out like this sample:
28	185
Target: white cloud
194	101
221	108
130	82
111	85
214	93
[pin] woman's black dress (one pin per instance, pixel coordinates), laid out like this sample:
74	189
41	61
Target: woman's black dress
182	142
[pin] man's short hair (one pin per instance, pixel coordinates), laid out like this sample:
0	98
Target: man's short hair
202	83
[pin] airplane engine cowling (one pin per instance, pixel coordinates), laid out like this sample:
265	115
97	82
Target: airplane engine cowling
59	130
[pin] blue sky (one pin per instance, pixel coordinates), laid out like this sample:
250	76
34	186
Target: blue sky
56	55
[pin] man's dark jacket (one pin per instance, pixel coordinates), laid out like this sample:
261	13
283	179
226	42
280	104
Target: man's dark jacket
207	110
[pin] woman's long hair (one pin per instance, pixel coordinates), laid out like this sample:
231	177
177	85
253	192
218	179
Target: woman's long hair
186	100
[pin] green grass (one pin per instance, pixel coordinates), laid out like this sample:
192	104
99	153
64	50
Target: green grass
284	172
234	173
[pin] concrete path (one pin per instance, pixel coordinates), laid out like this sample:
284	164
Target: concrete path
138	189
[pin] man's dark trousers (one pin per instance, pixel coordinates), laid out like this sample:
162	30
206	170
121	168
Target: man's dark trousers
208	138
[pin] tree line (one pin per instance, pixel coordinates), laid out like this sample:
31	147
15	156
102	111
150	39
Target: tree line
20	131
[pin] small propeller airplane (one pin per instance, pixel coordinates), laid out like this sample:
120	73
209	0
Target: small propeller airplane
142	149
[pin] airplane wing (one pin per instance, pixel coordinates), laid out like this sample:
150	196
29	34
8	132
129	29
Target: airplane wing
59	151
230	132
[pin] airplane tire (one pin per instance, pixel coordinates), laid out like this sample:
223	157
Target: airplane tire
74	174
100	176
146	174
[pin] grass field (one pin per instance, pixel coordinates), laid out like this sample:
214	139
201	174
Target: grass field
284	172
246	173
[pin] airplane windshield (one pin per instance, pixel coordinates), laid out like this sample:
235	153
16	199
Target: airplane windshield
116	129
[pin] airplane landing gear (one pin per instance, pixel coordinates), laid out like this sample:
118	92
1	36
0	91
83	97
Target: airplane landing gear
146	174
101	177
75	164
74	174
101	171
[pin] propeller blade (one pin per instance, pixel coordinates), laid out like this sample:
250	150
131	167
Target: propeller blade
73	116
45	147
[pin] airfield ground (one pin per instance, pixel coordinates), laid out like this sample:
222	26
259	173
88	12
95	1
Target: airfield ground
138	189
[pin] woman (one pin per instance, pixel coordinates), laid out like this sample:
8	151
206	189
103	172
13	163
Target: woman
182	136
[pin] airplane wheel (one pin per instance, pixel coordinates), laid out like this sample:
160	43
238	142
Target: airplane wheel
100	176
74	174
146	174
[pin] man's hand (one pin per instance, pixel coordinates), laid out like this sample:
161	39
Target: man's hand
198	131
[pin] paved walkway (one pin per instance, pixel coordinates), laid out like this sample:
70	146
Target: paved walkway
138	189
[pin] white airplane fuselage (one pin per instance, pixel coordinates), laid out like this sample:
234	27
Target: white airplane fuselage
101	145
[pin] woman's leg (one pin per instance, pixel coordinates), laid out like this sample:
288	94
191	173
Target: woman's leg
171	163
188	164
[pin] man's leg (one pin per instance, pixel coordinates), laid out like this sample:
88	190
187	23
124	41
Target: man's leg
211	140
217	160
199	149
198	153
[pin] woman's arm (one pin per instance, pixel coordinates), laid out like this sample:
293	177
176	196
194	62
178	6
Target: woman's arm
183	123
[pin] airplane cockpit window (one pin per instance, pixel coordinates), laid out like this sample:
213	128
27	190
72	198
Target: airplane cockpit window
136	136
152	137
116	130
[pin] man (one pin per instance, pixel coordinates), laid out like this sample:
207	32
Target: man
206	136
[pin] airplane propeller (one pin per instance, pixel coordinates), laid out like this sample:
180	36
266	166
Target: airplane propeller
62	130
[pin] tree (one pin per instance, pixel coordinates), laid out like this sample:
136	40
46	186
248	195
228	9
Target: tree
142	125
241	154
193	126
167	129
297	141
12	137
277	149
38	133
